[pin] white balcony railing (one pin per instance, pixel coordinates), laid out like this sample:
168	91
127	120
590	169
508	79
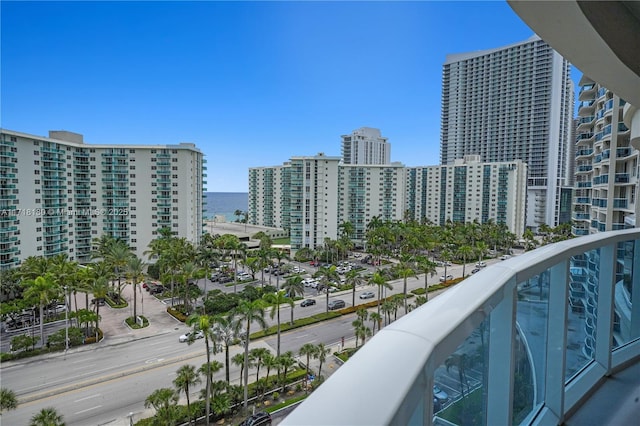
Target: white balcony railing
511	344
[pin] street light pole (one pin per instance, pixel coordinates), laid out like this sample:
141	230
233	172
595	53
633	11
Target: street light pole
66	321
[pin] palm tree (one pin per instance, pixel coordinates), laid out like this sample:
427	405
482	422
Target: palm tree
41	291
293	287
224	331
203	323
246	313
354	279
99	288
275	300
117	256
47	417
238	360
321	354
279	255
327	274
186	377
164	401
308	350
376	318
270	362
189	271
135	274
460	362
285	361
427	267
257	356
406	271
378	279
8	400
464	251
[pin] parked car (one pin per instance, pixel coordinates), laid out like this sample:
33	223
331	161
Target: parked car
367	295
481	264
504	257
258	419
100	301
225	279
439	393
308	302
188	336
336	304
447	278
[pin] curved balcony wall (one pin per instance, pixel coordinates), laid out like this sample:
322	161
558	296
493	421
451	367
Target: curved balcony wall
495	343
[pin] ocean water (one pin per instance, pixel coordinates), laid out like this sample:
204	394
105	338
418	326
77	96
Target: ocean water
226	203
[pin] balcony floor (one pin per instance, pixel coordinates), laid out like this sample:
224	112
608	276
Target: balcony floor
615	402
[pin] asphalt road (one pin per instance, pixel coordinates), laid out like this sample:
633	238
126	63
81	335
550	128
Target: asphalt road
103	385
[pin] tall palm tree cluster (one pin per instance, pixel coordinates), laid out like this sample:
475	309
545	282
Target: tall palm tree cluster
221	332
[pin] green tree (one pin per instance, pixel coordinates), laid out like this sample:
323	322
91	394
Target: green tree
321	354
246	313
308	350
354	279
8	400
376	319
378	280
41	291
47	417
238	360
405	270
327	275
135	274
187	377
285	362
464	252
275	300
164	401
224	332
293	287
427	267
203	323
257	356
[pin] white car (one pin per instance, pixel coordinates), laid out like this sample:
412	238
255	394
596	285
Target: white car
504	257
481	264
447	278
187	336
367	295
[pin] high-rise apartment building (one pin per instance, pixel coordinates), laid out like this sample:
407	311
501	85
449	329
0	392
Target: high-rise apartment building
313	200
365	146
59	193
606	163
512	103
469	191
366	191
269	196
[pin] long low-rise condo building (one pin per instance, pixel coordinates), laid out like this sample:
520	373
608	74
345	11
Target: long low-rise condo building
312	196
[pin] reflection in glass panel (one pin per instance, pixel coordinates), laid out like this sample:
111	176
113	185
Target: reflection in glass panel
582	312
530	346
622	293
459	394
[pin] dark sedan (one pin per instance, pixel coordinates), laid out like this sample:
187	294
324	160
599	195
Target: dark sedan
308	302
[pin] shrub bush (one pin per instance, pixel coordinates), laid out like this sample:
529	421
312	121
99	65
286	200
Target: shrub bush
301	322
176	314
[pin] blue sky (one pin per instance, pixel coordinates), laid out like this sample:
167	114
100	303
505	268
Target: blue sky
251	83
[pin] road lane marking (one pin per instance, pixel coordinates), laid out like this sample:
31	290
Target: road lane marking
88	409
88	397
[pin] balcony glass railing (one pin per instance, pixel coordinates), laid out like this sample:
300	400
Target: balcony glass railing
512	344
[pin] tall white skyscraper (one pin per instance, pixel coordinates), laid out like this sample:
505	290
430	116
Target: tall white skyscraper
512	103
365	146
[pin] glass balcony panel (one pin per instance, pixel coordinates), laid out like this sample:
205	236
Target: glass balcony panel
582	312
623	332
530	345
461	381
